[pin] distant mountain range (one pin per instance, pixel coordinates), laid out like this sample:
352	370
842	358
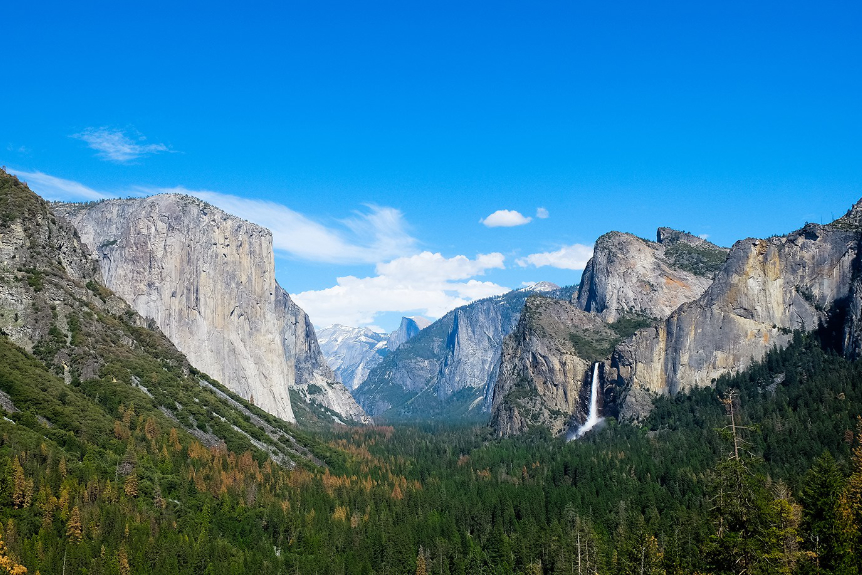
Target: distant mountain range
352	351
449	368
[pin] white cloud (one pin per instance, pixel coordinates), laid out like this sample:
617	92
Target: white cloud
505	219
573	257
703	236
377	234
542	213
425	283
58	189
116	146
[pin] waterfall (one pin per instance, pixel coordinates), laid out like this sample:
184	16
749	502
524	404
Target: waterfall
593	418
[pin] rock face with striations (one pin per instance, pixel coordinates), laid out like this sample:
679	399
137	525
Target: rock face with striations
630	275
544	369
629	283
207	279
767	289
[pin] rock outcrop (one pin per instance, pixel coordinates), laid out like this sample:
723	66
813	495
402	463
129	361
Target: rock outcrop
628	284
207	280
544	374
409	327
630	275
767	289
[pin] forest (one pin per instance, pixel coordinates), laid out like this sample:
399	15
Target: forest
111	486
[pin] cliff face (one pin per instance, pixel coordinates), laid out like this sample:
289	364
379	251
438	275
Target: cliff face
207	279
543	377
630	275
449	369
766	289
409	327
629	283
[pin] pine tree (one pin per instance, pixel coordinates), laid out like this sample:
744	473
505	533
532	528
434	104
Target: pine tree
19	484
123	562
74	531
131	486
850	510
420	563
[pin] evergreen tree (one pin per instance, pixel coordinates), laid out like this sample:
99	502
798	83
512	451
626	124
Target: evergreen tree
74	531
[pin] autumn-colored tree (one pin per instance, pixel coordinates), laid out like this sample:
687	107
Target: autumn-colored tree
131	486
123	562
7	564
175	440
421	568
74	530
151	430
19	484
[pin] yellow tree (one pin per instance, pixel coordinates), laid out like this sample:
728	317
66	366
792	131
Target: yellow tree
74	530
7	565
421	568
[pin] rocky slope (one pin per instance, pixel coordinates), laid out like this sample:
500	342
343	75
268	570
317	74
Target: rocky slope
768	288
629	284
207	280
630	275
448	370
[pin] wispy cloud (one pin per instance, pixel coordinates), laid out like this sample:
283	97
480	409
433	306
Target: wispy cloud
425	283
58	189
505	219
117	146
573	257
376	234
542	213
24	150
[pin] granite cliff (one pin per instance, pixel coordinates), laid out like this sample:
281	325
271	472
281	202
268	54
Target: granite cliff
767	289
629	283
207	280
631	275
544	368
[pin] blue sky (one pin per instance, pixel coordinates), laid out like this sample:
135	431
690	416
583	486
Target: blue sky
374	137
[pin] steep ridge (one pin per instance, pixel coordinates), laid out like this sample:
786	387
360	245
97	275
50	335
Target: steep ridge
409	327
449	369
630	275
207	280
629	283
767	289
